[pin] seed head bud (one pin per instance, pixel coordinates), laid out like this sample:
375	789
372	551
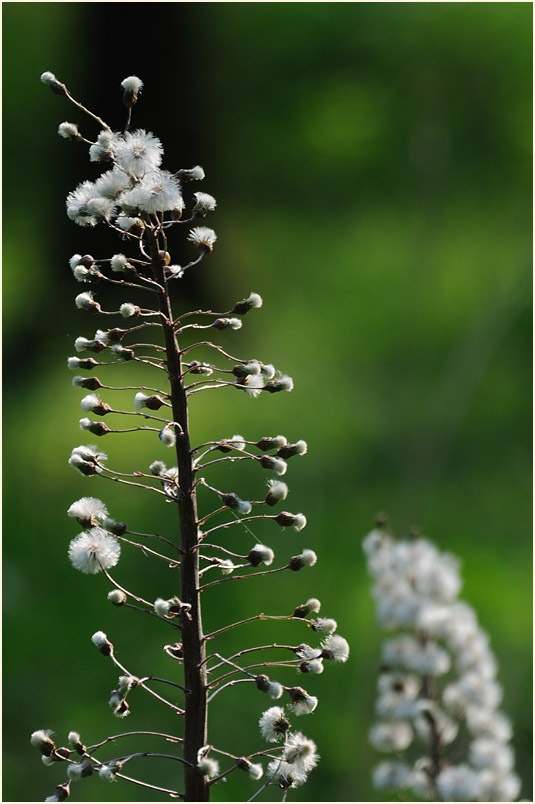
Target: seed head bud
208	767
111	335
279	466
153	402
273	724
324	625
255	771
299	448
79	770
119	263
82	344
85	301
76	741
204	203
91	383
254	300
285	519
306	559
167	436
88	511
268	371
126	683
117	528
266	443
335	648
117	597
94	404
128	310
260	554
193	174
157	468
49	761
96	428
108	772
81	274
277	491
312	666
128	224
312	605
302	702
224	323
69	131
84	458
102	642
283	383
246	369
273	688
87	363
61	793
122	352
42	740
203	237
233	501
51	81
162	607
132	86
118	704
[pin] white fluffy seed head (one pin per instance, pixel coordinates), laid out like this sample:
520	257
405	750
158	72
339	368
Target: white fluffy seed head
88	510
273	724
132	84
302	702
324	625
129	310
261	554
94	550
336	648
208	767
167	436
203	237
68	131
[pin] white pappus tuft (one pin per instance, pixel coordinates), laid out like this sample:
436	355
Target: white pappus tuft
94	550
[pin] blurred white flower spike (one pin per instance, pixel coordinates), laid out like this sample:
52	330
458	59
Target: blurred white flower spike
437	688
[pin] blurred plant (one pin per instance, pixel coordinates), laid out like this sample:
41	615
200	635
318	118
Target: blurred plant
142	203
458	738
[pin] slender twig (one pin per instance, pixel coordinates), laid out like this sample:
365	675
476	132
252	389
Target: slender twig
229	684
170	561
152	614
248	650
260	616
165	681
129	483
242	577
225	525
217	348
154	536
172	793
169	737
141	684
122	589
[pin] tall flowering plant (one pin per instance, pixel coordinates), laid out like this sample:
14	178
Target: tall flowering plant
144	204
438	698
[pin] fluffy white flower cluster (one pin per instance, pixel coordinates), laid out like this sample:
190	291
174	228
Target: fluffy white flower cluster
415	591
299	755
135	185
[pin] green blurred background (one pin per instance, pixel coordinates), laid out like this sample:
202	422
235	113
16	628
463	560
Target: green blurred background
372	164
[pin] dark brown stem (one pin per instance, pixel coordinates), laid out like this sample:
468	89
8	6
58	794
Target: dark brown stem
195	718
